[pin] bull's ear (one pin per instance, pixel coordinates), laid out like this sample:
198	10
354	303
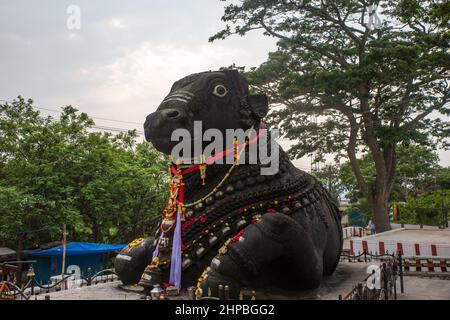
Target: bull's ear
259	104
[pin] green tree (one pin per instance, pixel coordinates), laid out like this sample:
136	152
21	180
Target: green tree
442	178
28	149
58	171
416	173
371	87
430	208
329	177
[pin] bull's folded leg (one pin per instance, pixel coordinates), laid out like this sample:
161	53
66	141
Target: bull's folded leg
132	260
275	237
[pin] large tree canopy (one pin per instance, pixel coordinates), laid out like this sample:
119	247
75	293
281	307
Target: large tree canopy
342	84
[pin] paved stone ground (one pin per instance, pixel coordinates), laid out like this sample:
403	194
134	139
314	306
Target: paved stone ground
425	288
101	291
342	281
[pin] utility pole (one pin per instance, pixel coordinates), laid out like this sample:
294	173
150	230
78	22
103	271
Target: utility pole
64	252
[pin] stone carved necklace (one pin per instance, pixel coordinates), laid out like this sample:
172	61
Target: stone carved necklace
226	209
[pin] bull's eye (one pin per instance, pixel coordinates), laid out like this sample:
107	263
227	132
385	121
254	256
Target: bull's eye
220	91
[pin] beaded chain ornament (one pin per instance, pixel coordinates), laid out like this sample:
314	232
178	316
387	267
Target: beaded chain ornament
174	211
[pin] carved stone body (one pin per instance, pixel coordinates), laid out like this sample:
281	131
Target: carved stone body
282	229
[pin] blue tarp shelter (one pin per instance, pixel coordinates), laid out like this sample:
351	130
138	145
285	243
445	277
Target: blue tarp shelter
82	254
78	248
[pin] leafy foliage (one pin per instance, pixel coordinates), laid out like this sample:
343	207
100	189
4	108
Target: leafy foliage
104	187
329	177
417	172
428	209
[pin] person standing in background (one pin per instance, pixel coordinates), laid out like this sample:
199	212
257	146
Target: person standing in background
371	227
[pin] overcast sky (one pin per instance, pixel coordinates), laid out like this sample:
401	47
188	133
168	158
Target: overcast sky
123	59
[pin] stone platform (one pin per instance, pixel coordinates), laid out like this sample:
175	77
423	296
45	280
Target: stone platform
347	275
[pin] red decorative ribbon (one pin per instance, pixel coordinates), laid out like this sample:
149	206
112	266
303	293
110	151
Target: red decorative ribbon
214	158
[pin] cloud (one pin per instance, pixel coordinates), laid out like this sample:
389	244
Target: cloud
116	23
14	39
138	80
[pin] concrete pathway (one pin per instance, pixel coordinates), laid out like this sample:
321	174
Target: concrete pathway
425	288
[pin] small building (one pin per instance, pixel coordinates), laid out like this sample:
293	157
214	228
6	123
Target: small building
7	271
80	256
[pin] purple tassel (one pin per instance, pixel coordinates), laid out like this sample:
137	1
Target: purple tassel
175	264
156	251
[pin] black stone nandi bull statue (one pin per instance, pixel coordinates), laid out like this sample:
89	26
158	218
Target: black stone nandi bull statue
251	230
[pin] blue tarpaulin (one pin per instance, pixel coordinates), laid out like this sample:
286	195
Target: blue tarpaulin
78	248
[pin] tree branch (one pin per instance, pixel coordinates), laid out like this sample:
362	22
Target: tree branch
328	17
414	122
351	153
371	141
389	159
308	46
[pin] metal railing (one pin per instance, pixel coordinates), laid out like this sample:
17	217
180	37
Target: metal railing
102	276
33	287
391	269
24	293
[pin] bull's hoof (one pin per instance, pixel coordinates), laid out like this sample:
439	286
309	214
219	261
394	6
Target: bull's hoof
215	285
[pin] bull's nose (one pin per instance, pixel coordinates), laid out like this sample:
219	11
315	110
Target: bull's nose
171	114
164	117
153	119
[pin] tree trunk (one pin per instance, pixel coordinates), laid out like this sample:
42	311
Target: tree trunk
377	195
380	213
95	231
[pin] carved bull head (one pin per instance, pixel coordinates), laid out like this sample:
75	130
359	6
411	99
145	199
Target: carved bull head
219	99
